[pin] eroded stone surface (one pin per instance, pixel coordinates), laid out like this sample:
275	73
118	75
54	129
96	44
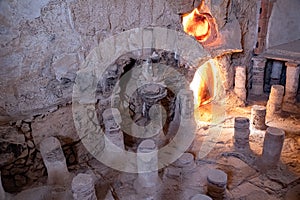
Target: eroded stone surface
59	124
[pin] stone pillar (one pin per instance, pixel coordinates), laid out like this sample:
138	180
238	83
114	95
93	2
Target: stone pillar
113	132
186	110
240	82
217	182
241	133
273	143
258	117
186	162
291	86
186	104
275	100
147	164
83	187
55	161
201	197
258	75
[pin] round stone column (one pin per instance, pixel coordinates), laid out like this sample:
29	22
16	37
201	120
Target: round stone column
258	117
273	143
83	187
113	132
55	161
217	182
240	82
147	164
186	162
274	103
241	133
186	104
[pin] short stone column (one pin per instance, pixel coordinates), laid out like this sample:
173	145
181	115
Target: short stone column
147	164
258	75
201	197
217	183
274	103
240	82
83	187
291	86
258	117
273	143
113	132
186	104
55	161
241	133
186	162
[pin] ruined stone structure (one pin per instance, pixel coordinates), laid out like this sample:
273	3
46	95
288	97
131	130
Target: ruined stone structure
142	99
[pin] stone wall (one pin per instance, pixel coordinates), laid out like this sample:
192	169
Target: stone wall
43	44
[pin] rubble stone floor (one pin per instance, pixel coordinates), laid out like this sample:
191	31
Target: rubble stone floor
245	179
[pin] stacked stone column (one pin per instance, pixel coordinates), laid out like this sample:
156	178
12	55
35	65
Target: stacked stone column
258	75
274	103
83	187
241	133
147	164
240	82
186	104
217	183
113	132
291	86
55	161
273	143
258	117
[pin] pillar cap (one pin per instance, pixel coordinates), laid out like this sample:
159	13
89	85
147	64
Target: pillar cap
82	181
217	176
258	107
292	64
275	131
147	146
185	159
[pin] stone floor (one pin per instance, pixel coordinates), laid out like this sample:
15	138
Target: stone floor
245	179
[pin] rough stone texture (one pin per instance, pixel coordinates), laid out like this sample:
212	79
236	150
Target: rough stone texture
237	170
250	191
245	12
43	44
59	124
12	144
